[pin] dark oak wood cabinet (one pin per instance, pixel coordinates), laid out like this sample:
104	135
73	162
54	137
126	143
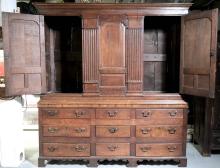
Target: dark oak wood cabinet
110	75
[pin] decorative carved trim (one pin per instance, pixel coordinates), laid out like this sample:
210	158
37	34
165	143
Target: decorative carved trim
113	18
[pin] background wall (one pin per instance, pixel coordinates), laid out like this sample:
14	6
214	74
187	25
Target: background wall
7	6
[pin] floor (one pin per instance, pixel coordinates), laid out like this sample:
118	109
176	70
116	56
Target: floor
195	160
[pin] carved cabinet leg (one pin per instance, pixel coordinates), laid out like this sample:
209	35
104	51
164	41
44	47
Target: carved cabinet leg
93	163
41	162
132	163
182	163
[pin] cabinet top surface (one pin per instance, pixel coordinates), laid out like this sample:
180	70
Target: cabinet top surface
78	9
147	100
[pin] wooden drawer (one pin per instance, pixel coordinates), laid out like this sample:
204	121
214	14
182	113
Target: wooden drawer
76	131
166	132
159	150
62	150
112	149
159	113
67	112
113	131
113	113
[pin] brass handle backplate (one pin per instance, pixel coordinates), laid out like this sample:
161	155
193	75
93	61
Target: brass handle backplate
112	113
172	130
171	148
113	130
52	113
145	148
52	130
79	114
145	130
173	113
80	130
112	147
79	148
146	113
52	148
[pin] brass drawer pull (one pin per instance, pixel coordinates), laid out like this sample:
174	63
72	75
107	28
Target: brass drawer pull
173	113
52	113
79	148
171	148
80	130
145	148
112	113
146	113
172	130
52	130
145	130
112	147
79	114
52	148
113	130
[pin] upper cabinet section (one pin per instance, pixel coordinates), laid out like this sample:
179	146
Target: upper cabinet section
198	53
24	47
144	9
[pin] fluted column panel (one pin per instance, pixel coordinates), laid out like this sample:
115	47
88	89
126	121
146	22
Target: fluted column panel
134	55
90	56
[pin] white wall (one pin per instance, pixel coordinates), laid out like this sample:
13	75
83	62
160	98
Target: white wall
7	6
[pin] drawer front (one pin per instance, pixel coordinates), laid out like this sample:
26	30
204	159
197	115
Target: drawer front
113	131
113	113
112	149
60	149
159	113
76	131
165	132
159	150
67	112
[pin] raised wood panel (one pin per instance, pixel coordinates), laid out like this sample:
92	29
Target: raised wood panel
112	54
112	80
155	75
24	54
198	53
112	44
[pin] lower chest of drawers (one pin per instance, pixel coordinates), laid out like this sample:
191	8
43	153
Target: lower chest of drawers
85	132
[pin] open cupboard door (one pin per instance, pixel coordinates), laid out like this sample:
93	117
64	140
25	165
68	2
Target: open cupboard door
24	48
198	53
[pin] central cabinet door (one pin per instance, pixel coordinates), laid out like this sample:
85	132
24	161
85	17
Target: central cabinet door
112	54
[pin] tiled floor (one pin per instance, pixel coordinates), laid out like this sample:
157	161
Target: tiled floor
195	160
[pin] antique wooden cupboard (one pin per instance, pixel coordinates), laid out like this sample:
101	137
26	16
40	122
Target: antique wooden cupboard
111	76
